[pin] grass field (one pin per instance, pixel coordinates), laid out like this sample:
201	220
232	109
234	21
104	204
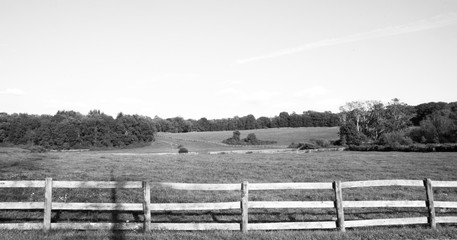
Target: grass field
211	141
142	164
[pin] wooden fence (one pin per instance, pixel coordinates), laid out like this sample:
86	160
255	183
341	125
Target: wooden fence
244	205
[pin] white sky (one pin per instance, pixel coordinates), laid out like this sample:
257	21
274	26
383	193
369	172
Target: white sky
218	59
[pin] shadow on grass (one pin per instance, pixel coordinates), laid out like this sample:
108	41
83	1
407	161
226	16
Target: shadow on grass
115	234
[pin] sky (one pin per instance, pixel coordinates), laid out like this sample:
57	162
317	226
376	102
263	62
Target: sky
224	58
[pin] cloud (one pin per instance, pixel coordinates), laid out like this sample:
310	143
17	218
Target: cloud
12	91
418	26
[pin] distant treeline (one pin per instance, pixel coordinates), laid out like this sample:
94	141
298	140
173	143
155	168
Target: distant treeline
72	130
360	122
307	119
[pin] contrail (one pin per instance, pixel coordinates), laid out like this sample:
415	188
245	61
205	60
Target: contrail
418	26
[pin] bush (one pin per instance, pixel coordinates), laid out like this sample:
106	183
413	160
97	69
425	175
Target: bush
320	142
251	139
303	146
395	140
350	136
183	150
405	148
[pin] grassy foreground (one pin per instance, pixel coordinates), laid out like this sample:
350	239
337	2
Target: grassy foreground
314	167
372	234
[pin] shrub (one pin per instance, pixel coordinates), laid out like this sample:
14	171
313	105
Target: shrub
350	136
251	139
183	150
303	146
395	140
320	142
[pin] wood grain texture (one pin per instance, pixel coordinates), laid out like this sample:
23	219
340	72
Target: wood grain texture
244	206
200	186
194	206
47	204
147	206
195	226
97	226
445	204
430	203
97	184
386	222
374	204
21	226
291	204
292	225
289	186
21	205
98	206
444	184
22	184
449	219
339	206
381	183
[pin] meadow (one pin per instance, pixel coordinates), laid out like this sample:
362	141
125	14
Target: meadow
144	164
203	142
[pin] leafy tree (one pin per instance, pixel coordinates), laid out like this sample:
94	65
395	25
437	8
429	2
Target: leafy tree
349	135
283	120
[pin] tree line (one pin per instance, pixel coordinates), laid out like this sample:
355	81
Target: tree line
72	130
360	123
397	124
306	119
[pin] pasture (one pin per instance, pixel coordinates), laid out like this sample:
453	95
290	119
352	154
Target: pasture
143	164
203	142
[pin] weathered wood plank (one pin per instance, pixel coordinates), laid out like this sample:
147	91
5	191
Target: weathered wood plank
200	186
386	222
21	205
339	206
291	204
47	204
98	206
244	206
382	183
21	226
430	203
147	206
97	184
194	206
374	204
195	226
446	219
97	226
289	186
22	184
444	183
444	204
292	225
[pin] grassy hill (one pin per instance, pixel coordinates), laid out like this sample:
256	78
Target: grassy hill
212	141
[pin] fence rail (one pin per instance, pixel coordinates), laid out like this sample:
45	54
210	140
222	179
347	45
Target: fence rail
244	205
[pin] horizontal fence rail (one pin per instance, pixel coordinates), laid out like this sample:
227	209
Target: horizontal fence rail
146	207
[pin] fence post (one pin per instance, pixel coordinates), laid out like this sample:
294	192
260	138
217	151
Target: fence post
47	204
147	206
339	206
430	203
244	206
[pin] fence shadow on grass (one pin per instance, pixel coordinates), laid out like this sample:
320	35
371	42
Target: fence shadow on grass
115	234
